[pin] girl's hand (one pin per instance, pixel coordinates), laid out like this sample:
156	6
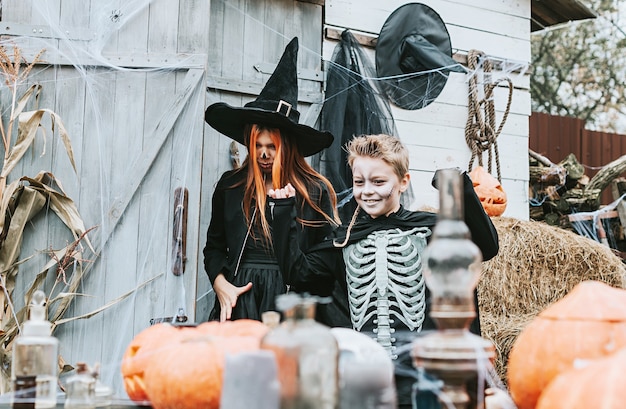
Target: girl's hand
227	295
287	191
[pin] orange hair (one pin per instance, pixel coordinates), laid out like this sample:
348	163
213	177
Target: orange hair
289	167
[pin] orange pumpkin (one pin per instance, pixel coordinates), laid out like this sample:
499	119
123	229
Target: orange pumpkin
243	328
181	367
489	191
595	385
138	354
588	323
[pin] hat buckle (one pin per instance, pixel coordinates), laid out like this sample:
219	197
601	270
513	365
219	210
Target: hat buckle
283	104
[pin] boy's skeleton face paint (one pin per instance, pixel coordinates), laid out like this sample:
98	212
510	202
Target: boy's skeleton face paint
376	186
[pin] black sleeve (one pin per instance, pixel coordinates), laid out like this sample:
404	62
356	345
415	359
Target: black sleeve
484	233
313	272
312	235
215	251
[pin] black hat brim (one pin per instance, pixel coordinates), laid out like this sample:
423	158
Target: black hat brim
231	121
421	21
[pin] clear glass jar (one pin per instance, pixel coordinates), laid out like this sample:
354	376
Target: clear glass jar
366	374
81	389
306	354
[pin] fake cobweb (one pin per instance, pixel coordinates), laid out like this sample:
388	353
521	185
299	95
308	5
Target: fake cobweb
603	225
134	114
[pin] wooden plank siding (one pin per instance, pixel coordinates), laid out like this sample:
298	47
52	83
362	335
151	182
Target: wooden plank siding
435	134
471	25
555	137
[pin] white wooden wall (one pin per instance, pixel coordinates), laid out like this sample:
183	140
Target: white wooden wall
435	134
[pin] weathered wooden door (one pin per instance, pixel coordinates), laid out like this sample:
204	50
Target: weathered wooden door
128	80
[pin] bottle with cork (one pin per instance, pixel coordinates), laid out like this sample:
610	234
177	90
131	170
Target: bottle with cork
34	370
81	388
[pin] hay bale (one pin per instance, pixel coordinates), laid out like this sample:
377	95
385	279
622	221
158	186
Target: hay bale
537	265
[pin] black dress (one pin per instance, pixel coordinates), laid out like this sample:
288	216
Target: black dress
259	267
230	249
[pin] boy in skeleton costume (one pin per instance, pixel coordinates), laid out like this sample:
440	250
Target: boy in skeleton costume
377	257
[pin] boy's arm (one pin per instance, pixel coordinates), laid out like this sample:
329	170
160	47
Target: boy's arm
484	233
311	272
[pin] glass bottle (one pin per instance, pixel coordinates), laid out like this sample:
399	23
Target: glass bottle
81	389
366	374
34	370
306	353
452	260
271	319
452	354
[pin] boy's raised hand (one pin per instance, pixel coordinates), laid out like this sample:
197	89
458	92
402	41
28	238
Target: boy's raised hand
285	192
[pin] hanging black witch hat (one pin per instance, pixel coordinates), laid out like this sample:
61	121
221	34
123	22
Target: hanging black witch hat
414	56
276	106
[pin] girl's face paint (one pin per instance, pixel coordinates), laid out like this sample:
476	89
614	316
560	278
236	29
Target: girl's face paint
265	152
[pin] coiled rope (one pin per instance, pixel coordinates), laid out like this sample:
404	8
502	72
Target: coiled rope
480	130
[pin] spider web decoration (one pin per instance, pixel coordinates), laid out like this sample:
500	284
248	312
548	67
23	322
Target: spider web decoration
101	100
602	225
354	105
419	96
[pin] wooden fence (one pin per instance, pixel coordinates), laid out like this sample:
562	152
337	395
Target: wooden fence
555	137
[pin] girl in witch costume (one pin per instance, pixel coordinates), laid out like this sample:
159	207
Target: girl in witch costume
238	256
376	258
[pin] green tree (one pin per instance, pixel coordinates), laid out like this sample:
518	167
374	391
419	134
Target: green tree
579	69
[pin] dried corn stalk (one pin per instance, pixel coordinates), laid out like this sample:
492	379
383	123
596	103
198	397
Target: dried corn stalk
24	198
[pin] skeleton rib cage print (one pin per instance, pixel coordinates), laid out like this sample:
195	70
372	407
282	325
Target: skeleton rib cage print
385	282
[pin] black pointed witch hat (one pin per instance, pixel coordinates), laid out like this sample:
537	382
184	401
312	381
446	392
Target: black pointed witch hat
276	106
414	56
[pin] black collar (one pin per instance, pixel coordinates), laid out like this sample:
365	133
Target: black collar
365	224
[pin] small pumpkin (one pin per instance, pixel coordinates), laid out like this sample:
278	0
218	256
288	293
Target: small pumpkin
489	191
181	367
596	384
588	323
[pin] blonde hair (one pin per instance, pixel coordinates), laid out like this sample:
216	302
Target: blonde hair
386	147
